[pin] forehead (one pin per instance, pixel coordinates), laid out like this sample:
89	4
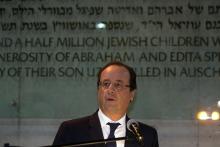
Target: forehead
115	72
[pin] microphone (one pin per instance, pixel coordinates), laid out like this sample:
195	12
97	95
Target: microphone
133	126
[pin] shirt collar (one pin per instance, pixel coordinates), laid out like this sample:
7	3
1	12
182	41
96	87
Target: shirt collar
104	119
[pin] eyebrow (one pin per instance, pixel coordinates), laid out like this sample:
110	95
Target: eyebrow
116	80
120	81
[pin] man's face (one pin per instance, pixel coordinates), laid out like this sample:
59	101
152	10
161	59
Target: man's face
114	94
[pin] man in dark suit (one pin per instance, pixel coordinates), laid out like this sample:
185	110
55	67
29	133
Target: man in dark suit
116	90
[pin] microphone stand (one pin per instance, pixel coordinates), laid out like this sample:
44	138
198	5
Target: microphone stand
101	141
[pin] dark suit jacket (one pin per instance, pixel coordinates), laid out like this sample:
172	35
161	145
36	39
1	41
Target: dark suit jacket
89	128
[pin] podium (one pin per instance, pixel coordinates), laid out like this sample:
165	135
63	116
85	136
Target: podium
84	144
93	142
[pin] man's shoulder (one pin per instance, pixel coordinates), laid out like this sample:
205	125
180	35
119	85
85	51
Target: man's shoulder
75	130
79	121
76	121
147	128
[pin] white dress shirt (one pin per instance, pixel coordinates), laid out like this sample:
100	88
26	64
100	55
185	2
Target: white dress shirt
119	132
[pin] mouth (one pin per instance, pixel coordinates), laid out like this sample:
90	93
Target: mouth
110	99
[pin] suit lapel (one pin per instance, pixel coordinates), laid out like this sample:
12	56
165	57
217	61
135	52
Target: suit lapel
95	129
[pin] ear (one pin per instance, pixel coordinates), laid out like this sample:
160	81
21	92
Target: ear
132	95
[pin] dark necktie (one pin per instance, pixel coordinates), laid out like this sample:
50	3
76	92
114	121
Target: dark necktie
113	127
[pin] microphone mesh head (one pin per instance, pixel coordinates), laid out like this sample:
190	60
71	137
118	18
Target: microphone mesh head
131	122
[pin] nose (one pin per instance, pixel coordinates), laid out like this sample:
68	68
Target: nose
112	88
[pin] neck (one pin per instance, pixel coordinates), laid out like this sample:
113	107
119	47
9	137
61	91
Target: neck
114	116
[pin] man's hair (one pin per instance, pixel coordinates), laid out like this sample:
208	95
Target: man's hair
132	80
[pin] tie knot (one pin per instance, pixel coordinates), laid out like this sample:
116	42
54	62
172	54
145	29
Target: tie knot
113	126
